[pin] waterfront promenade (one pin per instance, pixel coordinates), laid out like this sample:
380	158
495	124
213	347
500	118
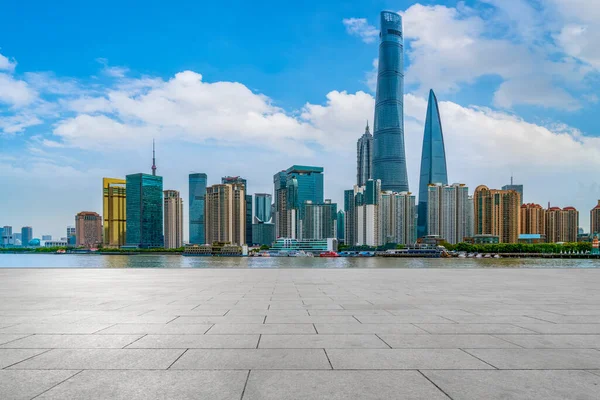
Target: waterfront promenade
300	334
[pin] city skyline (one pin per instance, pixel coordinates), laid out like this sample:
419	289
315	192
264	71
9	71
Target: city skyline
89	136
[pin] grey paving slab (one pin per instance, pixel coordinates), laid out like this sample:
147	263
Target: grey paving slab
321	341
11	356
473	328
416	319
158	329
340	385
232	319
403	359
539	358
102	359
10	337
367	328
253	359
445	341
250	312
72	342
349	312
496	319
25	385
554	341
150	385
516	385
594	371
196	341
82	328
250	329
124	319
329	319
562	328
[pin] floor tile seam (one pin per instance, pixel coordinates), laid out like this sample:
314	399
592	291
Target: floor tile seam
472	355
434	384
28	358
245	384
177	359
93	333
386	343
328	360
14	340
206	331
59	383
168	322
309	369
258	343
141	337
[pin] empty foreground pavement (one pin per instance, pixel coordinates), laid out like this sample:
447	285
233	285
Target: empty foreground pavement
299	334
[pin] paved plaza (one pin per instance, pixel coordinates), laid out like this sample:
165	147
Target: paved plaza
467	334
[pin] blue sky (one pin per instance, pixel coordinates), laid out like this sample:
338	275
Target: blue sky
248	89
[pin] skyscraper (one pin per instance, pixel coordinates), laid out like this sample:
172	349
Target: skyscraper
144	210
497	213
280	204
367	213
173	224
389	158
397	213
262	207
350	217
595	219
448	211
533	219
433	160
197	195
319	221
225	213
26	235
364	157
303	183
516	188
88	224
562	225
114	211
248	202
340	228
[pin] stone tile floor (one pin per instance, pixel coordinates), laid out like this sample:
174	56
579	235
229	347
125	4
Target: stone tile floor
300	334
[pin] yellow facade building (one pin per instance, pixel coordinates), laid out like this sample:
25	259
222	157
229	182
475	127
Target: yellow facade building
114	210
497	213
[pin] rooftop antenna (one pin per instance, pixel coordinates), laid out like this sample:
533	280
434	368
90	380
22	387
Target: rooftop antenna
153	160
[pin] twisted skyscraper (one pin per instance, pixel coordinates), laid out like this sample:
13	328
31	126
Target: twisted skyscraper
389	158
433	161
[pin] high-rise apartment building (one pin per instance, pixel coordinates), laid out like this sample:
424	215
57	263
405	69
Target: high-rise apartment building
533	219
240	180
366	211
225	213
319	220
470	229
397	218
7	236
280	204
448	211
26	235
595	219
516	188
262	207
114	206
197	195
364	158
144	205
173	224
389	158
562	224
433	161
497	213
88	224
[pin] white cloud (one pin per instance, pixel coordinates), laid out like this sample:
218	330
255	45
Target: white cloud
6	64
18	123
361	28
15	92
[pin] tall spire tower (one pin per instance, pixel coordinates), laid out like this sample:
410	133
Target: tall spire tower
153	160
364	157
389	157
433	161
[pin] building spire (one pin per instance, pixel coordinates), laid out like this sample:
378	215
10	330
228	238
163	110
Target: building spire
367	128
153	160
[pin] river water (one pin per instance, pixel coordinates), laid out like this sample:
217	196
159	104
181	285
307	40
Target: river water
177	261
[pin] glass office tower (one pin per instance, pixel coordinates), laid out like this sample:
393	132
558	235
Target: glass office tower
433	161
197	196
144	210
389	158
262	207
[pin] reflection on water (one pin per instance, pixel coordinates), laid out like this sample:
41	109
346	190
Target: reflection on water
176	261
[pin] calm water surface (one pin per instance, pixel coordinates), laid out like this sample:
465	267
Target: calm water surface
177	261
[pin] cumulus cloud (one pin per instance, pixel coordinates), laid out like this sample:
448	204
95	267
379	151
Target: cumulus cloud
6	64
361	28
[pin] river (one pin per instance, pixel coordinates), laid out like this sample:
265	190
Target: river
177	261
